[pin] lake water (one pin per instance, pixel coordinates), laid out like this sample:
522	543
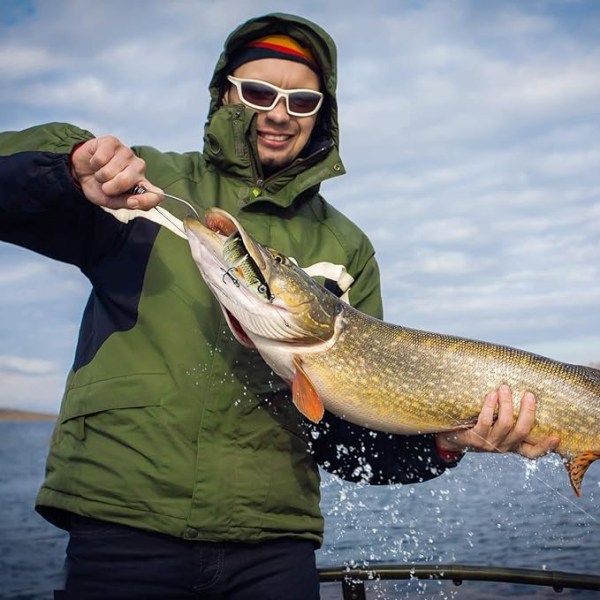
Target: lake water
498	511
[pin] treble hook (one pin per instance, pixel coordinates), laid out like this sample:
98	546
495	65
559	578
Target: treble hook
228	274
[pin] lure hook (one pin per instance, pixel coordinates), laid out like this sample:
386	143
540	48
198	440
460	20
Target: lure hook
227	273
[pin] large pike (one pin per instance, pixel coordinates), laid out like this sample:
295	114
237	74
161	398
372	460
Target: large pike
376	374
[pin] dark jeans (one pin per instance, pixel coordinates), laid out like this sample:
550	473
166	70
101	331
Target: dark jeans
108	561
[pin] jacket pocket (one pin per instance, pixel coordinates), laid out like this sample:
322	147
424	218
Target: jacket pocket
126	391
139	390
114	445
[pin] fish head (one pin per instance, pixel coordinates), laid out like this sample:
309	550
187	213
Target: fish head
265	296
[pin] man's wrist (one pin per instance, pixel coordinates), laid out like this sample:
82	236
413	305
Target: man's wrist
446	454
74	175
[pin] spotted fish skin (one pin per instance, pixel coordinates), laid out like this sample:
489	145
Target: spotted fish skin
377	374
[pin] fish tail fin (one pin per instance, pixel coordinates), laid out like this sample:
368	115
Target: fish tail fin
576	468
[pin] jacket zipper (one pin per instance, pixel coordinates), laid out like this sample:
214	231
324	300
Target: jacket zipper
263	183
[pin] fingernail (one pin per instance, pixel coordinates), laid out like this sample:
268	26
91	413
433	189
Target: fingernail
132	203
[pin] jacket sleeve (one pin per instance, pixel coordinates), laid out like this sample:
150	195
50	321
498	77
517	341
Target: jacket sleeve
41	207
359	454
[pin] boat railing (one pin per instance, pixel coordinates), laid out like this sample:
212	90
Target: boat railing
353	579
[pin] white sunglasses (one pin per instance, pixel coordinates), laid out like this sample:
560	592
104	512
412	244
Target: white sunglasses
261	95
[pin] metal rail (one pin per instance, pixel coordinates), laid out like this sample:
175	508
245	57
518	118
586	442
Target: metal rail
353	580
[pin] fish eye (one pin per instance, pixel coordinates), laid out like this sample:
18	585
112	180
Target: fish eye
277	257
263	290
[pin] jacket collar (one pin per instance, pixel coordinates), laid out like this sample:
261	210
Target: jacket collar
230	146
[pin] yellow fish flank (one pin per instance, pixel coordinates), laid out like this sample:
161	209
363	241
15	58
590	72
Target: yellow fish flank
376	374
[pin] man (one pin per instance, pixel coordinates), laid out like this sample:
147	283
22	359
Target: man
178	463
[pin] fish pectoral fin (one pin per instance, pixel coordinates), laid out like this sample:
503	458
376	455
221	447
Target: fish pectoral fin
576	468
305	396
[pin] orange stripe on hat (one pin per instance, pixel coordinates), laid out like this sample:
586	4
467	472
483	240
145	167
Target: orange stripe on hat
273	46
285	45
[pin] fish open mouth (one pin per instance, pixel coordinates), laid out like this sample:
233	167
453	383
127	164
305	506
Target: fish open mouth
243	275
223	224
220	223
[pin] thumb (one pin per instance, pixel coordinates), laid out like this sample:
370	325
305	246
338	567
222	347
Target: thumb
144	195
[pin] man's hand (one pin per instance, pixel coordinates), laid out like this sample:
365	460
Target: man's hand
106	170
497	431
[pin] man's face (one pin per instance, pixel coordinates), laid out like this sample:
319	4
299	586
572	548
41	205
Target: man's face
281	137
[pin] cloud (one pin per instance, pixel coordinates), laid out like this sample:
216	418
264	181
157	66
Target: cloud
30	384
32	393
13	274
32	280
25	366
19	63
454	77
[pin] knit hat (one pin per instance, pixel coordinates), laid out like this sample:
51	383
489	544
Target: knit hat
273	46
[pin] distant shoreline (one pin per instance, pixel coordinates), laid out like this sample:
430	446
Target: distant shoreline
8	414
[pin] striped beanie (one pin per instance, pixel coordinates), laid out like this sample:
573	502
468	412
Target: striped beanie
273	46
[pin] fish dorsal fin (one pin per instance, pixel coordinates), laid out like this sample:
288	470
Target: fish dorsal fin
577	467
305	396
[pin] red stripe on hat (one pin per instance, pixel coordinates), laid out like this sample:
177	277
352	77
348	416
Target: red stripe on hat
283	44
279	48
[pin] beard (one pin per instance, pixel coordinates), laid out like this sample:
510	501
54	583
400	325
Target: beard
272	165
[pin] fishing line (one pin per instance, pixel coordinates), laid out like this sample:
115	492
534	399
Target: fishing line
558	493
169	217
140	189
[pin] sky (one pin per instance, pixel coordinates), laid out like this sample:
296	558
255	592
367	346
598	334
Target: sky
470	131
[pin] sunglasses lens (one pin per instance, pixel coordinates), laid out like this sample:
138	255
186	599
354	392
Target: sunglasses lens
263	96
303	102
258	94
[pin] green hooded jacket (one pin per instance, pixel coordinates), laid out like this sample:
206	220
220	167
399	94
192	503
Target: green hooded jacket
167	423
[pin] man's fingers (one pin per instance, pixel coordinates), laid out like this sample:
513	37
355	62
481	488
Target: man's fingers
497	430
107	170
526	418
121	172
114	166
487	416
123	179
477	438
540	449
505	420
103	150
496	426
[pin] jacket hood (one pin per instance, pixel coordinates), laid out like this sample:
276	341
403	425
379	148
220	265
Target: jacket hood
302	30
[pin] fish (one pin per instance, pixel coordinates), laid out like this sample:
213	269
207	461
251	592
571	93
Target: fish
376	374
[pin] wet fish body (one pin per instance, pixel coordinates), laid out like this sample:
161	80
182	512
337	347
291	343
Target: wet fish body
377	374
